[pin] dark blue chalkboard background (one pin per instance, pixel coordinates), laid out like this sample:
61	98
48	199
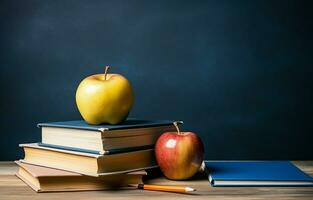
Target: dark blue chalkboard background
238	73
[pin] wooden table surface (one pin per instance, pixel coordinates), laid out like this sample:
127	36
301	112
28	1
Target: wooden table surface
13	188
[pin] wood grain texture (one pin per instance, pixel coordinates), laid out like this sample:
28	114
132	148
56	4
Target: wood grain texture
13	188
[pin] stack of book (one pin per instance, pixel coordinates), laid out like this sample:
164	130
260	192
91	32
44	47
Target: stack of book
74	155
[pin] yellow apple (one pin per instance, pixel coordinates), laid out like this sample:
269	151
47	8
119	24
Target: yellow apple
104	98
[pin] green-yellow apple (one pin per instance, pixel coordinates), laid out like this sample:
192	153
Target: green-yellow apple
104	98
179	154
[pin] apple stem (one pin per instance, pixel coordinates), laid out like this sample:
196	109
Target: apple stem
177	128
105	72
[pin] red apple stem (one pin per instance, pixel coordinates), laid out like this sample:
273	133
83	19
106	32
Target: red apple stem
177	128
106	72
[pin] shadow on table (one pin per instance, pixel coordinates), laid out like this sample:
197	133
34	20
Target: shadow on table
156	173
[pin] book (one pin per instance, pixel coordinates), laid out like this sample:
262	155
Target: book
256	173
44	179
132	134
88	163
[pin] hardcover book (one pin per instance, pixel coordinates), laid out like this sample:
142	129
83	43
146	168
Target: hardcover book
88	163
256	173
133	134
44	179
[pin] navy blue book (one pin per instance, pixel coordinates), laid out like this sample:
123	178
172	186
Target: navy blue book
256	173
131	135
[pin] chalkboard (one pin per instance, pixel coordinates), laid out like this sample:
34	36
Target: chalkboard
238	73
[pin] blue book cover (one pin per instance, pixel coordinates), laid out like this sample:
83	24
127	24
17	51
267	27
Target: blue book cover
127	124
104	152
256	173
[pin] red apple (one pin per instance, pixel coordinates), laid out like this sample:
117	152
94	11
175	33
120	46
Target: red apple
179	154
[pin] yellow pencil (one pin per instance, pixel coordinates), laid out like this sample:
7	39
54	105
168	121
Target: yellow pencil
166	188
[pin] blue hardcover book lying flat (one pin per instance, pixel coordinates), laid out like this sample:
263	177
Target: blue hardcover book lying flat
130	135
256	173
